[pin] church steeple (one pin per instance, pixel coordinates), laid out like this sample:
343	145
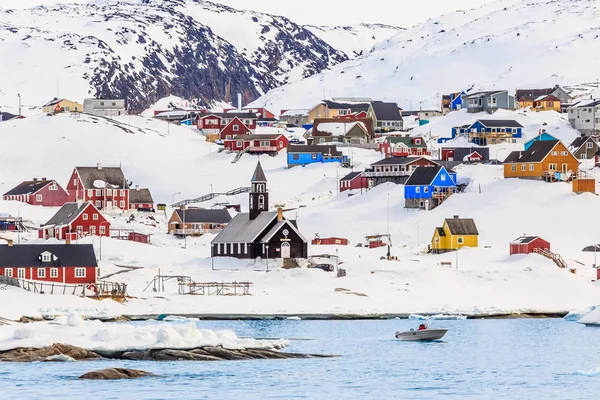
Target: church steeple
259	197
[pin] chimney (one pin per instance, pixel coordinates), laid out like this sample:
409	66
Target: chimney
137	187
239	99
99	166
456	217
35	179
279	214
44	179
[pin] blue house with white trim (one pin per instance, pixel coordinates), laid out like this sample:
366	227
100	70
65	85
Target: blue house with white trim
542	136
428	187
488	131
311	154
456	100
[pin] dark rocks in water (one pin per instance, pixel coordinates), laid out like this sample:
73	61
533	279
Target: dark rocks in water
116	373
63	352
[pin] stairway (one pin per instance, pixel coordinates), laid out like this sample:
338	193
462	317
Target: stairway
558	260
289	263
240	154
211	196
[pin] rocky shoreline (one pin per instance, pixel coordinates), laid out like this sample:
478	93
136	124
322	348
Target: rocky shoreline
65	352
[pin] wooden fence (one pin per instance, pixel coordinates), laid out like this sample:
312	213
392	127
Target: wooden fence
101	289
216	288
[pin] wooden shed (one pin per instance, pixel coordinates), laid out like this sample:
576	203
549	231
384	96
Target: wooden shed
330	241
138	237
528	244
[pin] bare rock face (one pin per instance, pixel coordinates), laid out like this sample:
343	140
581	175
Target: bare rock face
23	354
115	373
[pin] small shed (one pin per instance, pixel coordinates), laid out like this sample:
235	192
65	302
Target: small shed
528	244
138	237
330	241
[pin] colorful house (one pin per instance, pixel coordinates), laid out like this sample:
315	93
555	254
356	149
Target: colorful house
386	116
404	146
494	131
337	107
46	193
73	221
59	263
344	130
106	187
528	245
395	169
471	153
233	128
454	234
61	105
529	98
141	199
428	187
542	135
353	181
198	221
213	123
297	117
584	147
318	241
311	154
257	144
549	160
489	101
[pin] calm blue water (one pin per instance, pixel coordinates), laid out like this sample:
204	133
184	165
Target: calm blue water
479	359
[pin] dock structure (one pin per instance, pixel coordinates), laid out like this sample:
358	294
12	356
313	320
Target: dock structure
216	288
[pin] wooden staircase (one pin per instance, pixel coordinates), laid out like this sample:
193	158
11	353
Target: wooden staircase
240	154
558	260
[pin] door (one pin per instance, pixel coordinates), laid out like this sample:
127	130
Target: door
285	250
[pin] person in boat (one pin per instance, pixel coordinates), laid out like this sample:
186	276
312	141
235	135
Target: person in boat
422	327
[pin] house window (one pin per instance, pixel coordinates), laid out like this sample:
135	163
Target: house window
313	156
80	230
92	230
79	272
564	167
239	143
21	273
85	217
38	197
7	271
236	128
583	156
53	187
418	189
523	167
122	204
443	177
460	240
223	122
101	103
342	112
98	192
53	272
41	273
280	144
531	167
102	229
265	144
555	153
114	104
122	193
425	190
564	153
513	168
590	145
109	192
46	257
95	217
552	167
90	192
98	203
227	137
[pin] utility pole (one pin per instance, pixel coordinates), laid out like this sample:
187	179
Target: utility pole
19	104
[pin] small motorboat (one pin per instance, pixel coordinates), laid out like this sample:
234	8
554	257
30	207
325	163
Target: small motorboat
423	333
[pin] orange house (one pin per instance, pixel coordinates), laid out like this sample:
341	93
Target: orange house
543	160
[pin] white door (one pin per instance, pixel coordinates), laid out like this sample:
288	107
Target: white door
285	250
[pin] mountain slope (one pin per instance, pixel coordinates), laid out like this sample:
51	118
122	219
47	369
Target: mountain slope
144	50
504	44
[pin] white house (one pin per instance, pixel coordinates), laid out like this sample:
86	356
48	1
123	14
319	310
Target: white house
585	116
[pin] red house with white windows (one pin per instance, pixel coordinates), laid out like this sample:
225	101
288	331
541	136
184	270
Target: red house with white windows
47	193
352	181
359	114
140	199
234	128
213	123
528	245
257	144
106	187
404	146
75	220
60	263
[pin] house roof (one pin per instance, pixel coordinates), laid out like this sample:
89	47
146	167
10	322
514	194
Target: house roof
242	229
243	115
397	161
335	105
259	136
462	226
67	214
337	128
28	255
586	103
536	153
6	116
259	174
308	148
549	97
200	215
579	141
495	123
524	239
351	176
295	113
52	102
28	187
423	176
386	111
532	94
482	94
408	141
111	175
540	136
278	225
140	196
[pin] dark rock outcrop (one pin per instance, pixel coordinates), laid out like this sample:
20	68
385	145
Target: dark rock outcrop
24	354
115	373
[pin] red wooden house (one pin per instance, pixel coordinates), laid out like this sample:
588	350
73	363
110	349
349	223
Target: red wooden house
74	221
106	187
140	199
60	263
47	193
233	128
260	112
330	241
528	244
352	181
213	123
257	144
404	146
356	115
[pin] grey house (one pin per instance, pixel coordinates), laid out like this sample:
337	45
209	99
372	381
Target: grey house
488	101
104	107
584	147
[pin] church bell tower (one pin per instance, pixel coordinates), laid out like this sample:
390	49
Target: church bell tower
259	197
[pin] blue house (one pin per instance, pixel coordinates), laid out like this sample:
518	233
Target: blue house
311	154
456	100
541	136
494	131
428	187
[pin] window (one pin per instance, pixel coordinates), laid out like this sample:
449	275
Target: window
565	167
46	257
531	167
265	143
79	272
7	271
280	143
552	167
460	240
38	197
425	190
418	189
98	203
564	153
101	103
92	230
555	153
80	229
313	156
443	177
90	192
513	168
523	167
223	122
102	229
295	157
95	217
109	192
342	112
227	137
261	202
239	143
236	128
53	272
114	104
21	273
41	272
122	193
53	187
98	192
122	204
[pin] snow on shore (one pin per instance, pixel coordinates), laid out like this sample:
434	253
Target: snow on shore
99	336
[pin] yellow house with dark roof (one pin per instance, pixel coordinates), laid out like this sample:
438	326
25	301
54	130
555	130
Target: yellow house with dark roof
454	234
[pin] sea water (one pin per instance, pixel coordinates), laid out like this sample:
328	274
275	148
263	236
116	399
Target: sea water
478	359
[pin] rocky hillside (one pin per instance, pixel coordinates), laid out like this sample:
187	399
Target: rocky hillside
145	50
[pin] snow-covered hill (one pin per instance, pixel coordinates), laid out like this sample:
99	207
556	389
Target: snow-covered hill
501	45
145	50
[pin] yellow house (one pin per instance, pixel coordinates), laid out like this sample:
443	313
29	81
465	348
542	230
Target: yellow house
456	233
548	99
546	103
62	105
333	109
